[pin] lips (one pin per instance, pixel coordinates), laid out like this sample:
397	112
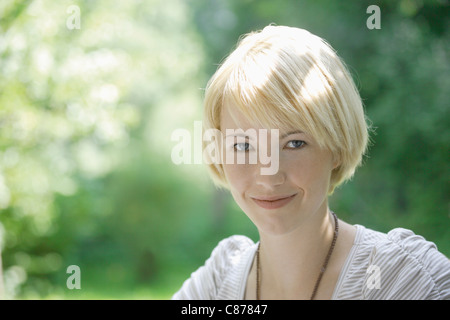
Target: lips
273	202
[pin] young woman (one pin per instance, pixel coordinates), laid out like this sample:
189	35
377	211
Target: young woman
291	80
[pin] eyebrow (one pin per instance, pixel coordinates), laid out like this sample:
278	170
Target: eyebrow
291	132
282	137
239	135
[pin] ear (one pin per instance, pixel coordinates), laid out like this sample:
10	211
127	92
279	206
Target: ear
336	165
336	162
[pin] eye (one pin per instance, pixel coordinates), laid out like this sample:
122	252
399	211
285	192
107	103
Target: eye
244	146
295	144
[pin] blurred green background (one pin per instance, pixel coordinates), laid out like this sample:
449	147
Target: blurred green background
86	116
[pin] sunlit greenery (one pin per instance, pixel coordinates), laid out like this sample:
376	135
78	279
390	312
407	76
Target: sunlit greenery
86	117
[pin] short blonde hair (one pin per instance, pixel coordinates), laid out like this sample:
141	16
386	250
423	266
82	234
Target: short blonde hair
287	78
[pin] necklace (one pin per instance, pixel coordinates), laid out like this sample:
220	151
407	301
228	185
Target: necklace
322	270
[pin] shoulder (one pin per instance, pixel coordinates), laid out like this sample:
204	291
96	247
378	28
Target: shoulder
228	254
403	265
206	282
231	247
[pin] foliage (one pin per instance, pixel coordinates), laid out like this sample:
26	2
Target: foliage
86	117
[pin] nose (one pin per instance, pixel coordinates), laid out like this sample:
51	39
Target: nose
270	182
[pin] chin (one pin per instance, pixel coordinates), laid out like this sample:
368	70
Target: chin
275	229
275	223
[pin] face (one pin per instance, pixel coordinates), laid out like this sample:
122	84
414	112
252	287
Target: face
280	202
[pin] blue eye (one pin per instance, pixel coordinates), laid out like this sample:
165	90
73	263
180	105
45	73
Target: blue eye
244	146
295	144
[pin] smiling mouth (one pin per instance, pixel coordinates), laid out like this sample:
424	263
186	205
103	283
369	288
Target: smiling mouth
273	202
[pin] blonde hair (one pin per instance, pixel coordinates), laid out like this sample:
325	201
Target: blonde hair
288	78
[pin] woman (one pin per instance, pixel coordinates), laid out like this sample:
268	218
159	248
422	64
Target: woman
288	79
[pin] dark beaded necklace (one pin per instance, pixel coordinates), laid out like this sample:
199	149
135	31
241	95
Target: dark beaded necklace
322	270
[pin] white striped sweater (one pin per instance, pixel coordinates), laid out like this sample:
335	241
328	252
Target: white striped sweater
407	266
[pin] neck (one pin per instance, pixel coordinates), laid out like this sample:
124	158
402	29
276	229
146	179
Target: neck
296	257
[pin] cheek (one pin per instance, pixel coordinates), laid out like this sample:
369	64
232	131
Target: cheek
239	182
237	176
312	174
